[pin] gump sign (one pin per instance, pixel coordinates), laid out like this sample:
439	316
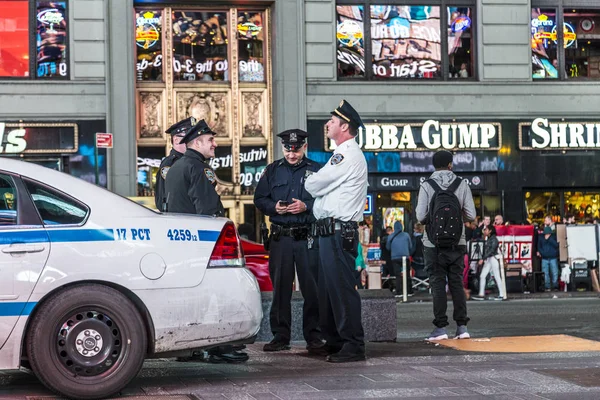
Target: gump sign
427	136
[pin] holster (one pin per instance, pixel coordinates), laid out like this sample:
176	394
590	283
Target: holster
326	226
350	239
276	232
264	233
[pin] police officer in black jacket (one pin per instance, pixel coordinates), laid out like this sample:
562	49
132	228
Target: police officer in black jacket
177	132
191	184
280	194
191	189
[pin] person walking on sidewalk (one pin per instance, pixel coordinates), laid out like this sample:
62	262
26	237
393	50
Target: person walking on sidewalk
444	203
489	260
400	245
548	252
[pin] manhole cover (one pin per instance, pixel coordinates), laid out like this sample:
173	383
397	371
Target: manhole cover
589	377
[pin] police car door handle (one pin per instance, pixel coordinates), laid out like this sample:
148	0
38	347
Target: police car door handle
16	248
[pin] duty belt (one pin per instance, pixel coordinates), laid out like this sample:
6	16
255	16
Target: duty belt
299	232
328	226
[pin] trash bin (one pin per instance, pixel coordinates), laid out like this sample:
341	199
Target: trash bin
580	275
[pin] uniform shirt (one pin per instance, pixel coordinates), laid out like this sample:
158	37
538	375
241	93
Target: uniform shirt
281	181
161	175
190	187
340	187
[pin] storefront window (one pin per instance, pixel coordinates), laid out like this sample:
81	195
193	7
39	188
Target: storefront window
14	39
544	42
51	38
540	204
582	205
148	40
405	41
250	35
350	42
582	43
460	42
200	46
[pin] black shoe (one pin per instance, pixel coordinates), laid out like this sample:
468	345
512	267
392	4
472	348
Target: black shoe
234	357
276	345
342	357
196	356
317	348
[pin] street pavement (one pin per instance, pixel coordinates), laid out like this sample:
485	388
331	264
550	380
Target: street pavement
409	368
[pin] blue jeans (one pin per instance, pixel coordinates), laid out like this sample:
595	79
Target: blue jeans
550	265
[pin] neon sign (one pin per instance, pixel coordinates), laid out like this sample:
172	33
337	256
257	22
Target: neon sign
349	33
541	37
460	24
146	32
50	17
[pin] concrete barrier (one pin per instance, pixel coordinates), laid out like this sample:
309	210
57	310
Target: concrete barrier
378	316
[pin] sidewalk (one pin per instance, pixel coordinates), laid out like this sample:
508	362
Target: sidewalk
426	296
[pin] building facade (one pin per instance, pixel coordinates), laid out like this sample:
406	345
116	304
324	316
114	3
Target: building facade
497	82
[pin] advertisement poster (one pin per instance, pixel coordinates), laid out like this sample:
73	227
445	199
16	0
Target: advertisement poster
516	245
391	215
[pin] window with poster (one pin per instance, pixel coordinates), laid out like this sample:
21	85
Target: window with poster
403	40
209	63
578	41
33	39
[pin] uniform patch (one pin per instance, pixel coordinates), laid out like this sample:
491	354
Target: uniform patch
210	175
163	172
336	159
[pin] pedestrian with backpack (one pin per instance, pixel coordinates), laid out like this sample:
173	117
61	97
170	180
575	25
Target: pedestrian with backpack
400	246
445	203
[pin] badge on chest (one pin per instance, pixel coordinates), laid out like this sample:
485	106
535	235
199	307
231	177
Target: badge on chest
336	159
308	173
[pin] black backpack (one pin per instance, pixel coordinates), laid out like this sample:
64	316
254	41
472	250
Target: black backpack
445	219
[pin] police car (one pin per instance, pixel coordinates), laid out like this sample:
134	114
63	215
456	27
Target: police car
92	283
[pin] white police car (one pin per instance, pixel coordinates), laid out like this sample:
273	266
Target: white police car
92	283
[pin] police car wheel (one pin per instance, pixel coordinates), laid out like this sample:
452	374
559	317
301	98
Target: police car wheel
87	342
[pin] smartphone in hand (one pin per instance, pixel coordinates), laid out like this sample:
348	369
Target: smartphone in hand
283	203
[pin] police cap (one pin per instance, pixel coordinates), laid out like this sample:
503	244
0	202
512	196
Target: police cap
293	139
201	128
347	113
182	126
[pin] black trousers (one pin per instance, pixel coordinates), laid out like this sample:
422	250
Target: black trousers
442	265
339	301
287	256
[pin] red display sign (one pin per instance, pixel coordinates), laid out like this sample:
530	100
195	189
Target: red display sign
104	140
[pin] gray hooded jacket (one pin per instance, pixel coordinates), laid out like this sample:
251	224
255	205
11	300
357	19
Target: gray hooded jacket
465	199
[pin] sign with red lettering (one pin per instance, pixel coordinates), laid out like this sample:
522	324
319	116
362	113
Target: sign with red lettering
104	140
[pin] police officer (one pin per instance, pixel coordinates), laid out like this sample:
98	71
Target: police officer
190	189
177	132
340	190
191	184
280	194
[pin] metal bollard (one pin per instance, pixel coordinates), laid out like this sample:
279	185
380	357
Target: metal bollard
404	281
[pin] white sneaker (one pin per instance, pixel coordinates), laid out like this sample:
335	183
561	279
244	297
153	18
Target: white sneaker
462	333
438	334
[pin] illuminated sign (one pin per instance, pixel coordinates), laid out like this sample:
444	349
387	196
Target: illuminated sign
50	17
249	29
349	33
460	24
146	32
430	135
27	138
368	204
542	36
546	135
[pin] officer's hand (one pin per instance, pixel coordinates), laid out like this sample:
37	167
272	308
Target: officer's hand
281	209
296	207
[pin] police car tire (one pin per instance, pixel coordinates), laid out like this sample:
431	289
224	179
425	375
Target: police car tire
41	341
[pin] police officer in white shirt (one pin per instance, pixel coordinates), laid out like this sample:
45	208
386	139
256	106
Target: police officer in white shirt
340	190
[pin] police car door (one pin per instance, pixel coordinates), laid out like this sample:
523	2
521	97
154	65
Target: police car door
24	249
